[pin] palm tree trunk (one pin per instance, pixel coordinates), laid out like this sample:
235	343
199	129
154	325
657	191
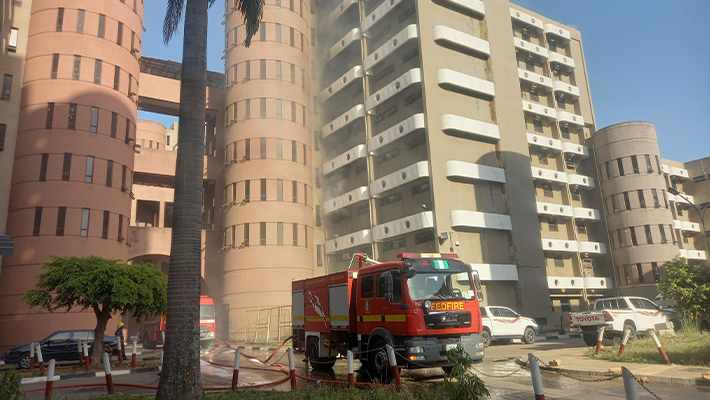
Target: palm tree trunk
180	378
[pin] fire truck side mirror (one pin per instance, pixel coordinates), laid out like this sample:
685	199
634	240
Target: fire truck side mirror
477	282
387	276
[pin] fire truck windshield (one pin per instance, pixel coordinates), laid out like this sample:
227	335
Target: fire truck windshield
441	286
206	311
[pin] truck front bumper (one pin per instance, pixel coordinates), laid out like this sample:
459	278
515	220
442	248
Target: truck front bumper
422	352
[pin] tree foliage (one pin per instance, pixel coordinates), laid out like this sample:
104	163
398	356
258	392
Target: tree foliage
108	287
459	384
688	285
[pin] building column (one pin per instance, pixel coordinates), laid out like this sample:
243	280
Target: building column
134	208
161	215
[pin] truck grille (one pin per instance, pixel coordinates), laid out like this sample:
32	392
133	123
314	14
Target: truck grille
446	320
204	329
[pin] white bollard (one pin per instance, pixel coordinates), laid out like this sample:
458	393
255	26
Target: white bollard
79	348
235	374
134	355
622	347
599	341
536	377
292	368
351	370
86	355
630	388
32	355
40	360
393	366
107	369
660	348
50	380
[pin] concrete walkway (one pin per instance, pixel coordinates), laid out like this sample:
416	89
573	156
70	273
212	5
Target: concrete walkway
573	361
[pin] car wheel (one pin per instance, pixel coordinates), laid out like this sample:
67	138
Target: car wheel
677	325
378	362
24	362
529	335
486	337
590	339
632	331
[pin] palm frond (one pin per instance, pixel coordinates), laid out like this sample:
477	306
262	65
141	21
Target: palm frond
252	11
173	16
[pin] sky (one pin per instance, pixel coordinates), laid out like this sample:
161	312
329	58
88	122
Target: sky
647	60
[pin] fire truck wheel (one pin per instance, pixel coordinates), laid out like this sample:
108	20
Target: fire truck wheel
378	363
318	363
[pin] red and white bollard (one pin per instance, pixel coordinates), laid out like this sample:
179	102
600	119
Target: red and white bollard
623	343
660	348
599	341
351	370
107	369
80	354
40	360
393	366
292	368
133	354
32	356
120	354
235	374
86	355
536	377
50	380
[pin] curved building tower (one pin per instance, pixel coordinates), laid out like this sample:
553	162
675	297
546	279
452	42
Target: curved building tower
268	210
634	192
71	185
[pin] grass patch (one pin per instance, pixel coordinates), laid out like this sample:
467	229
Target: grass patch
688	346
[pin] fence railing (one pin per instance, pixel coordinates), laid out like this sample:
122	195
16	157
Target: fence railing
268	325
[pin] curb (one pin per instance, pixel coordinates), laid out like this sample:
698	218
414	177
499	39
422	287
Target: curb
257	348
673	380
37	379
551	338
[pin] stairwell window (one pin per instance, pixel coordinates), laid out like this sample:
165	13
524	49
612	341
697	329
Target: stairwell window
124	175
627	203
293	73
634	242
279	233
639	271
262	31
293	37
55	66
84	222
635	164
43	168
114	123
37	221
262	69
278	109
80	22
119	37
294	190
109	173
294	151
128	131
656	275
664	240
318	219
104	229
89	175
262	148
262	108
278	33
649	237
656	203
642	200
66	167
279	190
649	166
94	119
262	233
116	77
102	26
61	219
60	19
77	68
6	87
620	164
293	112
279	152
295	234
246	235
98	66
3	130
319	255
263	189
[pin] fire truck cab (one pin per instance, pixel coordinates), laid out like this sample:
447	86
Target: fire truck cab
422	305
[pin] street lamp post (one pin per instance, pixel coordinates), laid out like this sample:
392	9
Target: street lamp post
675	192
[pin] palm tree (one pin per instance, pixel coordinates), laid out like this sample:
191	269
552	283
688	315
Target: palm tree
180	378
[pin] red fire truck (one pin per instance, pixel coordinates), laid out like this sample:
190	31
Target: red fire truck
154	327
422	305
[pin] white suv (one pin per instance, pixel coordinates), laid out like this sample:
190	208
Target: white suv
504	323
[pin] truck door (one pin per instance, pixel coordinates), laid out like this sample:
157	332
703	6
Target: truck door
645	314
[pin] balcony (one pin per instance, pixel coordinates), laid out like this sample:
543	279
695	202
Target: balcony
336	14
665	168
464	220
527	20
469	128
465	84
378	14
459	171
565	90
583	181
472	8
559	61
565	246
461	42
560	35
539	110
688	226
536	80
587	214
402	226
681	200
678	172
341	243
548	175
356	153
592	247
409	78
556	210
351	37
676	224
578	150
568	118
398	178
496	272
544	143
693	254
404	40
576	282
531	49
347	199
343	120
341	83
379	143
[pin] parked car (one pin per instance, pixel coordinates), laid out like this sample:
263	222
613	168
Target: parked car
60	346
669	305
503	323
621	314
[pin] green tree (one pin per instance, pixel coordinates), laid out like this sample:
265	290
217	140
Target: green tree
459	384
181	378
108	287
689	285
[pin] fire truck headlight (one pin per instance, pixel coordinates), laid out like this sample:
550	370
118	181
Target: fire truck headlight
416	349
210	335
427	304
479	345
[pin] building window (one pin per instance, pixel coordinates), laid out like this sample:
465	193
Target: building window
293	111
319	255
262	31
295	234
608	170
246	235
89	176
552	223
61	218
318	220
60	19
262	108
656	203
634	242
263	189
116	77
120	228
627	203
565	132
104	229
642	200
421	188
530	65
294	151
109	173
247	150
279	151
6	87
102	26
128	130
679	210
561	103
581	228
77	68
303	109
305	153
656	275
293	40
552	45
626	274
98	64
55	65
664	240
37	222
50	116
665	198
547	190
362	209
247	191
649	237
72	116
278	109
247	73
313	37
84	222
262	69
393	198
649	166
291	5
620	233
575	194
394	244
66	169
279	233
247	115
43	168
262	148
294	189
279	190
533	95
613	203
119	37
94	119
124	176
658	165
80	22
262	233
635	164
621	166
639	271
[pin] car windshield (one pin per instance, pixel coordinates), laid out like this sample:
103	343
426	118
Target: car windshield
206	311
441	286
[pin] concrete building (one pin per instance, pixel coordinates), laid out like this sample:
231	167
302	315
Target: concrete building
379	126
